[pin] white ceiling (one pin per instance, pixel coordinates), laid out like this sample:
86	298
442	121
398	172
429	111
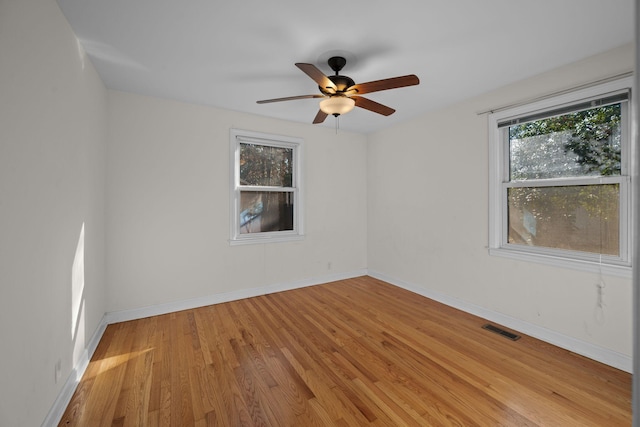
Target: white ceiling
231	54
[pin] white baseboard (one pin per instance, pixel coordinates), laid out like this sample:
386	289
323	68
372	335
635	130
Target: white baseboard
597	353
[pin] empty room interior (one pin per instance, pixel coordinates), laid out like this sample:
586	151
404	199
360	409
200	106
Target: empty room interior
272	213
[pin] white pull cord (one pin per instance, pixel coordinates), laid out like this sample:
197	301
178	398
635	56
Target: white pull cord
599	310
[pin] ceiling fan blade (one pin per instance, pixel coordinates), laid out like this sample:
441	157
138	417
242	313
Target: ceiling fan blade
378	85
370	105
320	117
317	76
289	98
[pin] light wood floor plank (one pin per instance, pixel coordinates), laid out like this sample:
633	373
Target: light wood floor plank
356	352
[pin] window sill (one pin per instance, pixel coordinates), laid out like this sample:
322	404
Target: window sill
266	239
557	261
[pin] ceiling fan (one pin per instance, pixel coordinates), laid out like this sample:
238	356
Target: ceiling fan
341	94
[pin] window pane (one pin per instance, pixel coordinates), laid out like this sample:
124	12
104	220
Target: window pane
580	218
262	211
584	143
266	165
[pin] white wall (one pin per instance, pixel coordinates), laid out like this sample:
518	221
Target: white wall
428	218
168	205
52	144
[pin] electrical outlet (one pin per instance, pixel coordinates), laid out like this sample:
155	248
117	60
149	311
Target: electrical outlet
58	370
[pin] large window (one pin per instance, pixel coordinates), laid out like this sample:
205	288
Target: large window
560	185
265	187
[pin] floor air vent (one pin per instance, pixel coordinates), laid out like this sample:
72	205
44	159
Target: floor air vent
500	331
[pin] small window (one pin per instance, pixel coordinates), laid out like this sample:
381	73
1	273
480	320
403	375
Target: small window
560	186
265	187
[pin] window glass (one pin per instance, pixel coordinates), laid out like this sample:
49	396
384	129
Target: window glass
583	143
263	211
578	218
266	165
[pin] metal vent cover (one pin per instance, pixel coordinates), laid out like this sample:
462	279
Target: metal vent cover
500	331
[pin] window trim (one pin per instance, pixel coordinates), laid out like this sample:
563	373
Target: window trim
499	182
238	136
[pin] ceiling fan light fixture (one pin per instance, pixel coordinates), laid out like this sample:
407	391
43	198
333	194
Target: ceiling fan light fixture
337	105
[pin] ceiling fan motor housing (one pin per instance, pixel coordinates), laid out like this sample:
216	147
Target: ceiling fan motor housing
342	83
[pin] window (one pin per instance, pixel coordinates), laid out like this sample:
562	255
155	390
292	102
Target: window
265	188
560	180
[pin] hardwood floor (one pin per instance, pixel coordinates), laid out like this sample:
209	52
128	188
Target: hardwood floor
356	352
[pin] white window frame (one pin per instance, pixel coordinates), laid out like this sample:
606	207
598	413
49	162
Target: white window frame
499	184
238	136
